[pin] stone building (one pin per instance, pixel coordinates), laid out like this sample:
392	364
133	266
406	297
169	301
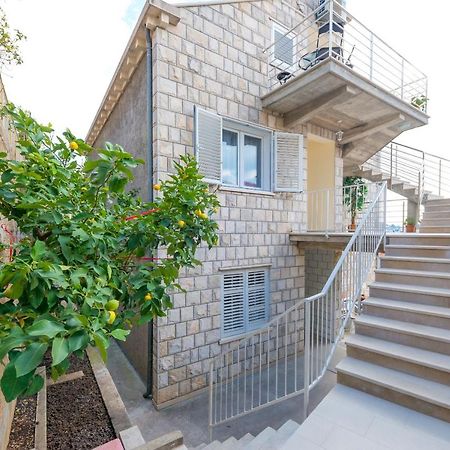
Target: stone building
246	87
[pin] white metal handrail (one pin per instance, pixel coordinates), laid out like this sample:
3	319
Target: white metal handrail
290	354
423	170
330	31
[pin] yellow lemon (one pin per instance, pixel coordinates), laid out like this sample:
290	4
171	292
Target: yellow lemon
148	297
181	223
198	212
112	305
204	216
157	187
112	317
73	145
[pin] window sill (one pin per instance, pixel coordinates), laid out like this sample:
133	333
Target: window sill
246	191
227	340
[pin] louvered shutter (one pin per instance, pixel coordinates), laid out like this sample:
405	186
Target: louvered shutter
288	162
257	298
208	144
283	47
233	321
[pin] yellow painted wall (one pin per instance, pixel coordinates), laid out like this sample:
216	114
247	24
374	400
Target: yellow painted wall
321	177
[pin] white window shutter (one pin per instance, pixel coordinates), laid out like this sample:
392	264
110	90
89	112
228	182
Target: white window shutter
288	162
257	298
208	144
233	304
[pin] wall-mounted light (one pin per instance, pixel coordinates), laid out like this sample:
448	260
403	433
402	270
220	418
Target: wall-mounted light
339	135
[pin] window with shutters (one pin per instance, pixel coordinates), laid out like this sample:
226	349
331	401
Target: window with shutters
246	156
245	301
283	52
243	155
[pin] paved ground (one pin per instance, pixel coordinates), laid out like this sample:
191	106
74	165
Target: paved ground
191	416
348	419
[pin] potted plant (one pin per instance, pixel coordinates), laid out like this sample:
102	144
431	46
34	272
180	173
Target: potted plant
420	102
410	224
355	194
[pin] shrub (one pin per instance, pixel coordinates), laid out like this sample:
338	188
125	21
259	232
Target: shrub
85	267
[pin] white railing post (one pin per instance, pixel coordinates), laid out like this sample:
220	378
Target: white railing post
211	387
307	353
371	57
440	177
330	29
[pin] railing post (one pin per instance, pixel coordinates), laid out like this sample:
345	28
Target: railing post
211	387
371	56
390	178
330	29
440	177
306	365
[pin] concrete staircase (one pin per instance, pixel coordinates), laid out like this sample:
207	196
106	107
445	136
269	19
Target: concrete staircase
401	187
268	439
401	347
436	218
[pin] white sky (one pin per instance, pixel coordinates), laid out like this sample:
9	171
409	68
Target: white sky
74	46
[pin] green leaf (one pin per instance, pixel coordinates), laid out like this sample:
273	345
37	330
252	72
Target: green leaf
12	341
37	383
102	343
12	385
38	250
120	334
60	350
46	328
30	358
78	340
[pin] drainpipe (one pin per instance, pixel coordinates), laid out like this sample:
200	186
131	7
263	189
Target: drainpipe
149	58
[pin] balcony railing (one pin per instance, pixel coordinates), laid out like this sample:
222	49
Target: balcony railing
349	42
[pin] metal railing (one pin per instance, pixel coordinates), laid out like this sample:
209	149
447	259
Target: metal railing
290	354
330	31
424	171
396	215
337	210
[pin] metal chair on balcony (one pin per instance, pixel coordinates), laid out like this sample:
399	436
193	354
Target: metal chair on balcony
321	53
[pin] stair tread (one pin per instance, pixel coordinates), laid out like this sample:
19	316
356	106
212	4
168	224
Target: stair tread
261	439
244	440
416	259
402	305
419	247
416	355
419	235
415	273
411	385
435	333
442	292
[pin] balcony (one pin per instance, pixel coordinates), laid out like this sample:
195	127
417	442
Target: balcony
332	71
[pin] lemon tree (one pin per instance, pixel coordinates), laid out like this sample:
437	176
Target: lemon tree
85	267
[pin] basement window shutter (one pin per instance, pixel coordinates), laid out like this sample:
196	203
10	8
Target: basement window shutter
288	162
233	321
208	144
257	298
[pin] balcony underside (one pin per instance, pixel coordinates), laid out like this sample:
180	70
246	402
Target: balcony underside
334	96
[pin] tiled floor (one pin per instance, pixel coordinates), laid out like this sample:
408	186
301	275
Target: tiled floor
348	419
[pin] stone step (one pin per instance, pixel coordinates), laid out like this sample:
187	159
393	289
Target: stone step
430	315
441	213
244	441
434	221
411	293
434	208
415	361
229	444
412	334
426	251
413	392
438	201
416	277
434	229
419	239
415	263
280	437
262	439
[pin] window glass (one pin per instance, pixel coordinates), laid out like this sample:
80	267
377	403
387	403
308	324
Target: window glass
229	157
252	161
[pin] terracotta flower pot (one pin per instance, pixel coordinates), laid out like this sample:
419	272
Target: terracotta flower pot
410	228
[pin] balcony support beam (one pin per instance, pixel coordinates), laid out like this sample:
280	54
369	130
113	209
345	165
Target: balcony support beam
312	109
374	127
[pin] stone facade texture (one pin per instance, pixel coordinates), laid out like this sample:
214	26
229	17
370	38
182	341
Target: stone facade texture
213	58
